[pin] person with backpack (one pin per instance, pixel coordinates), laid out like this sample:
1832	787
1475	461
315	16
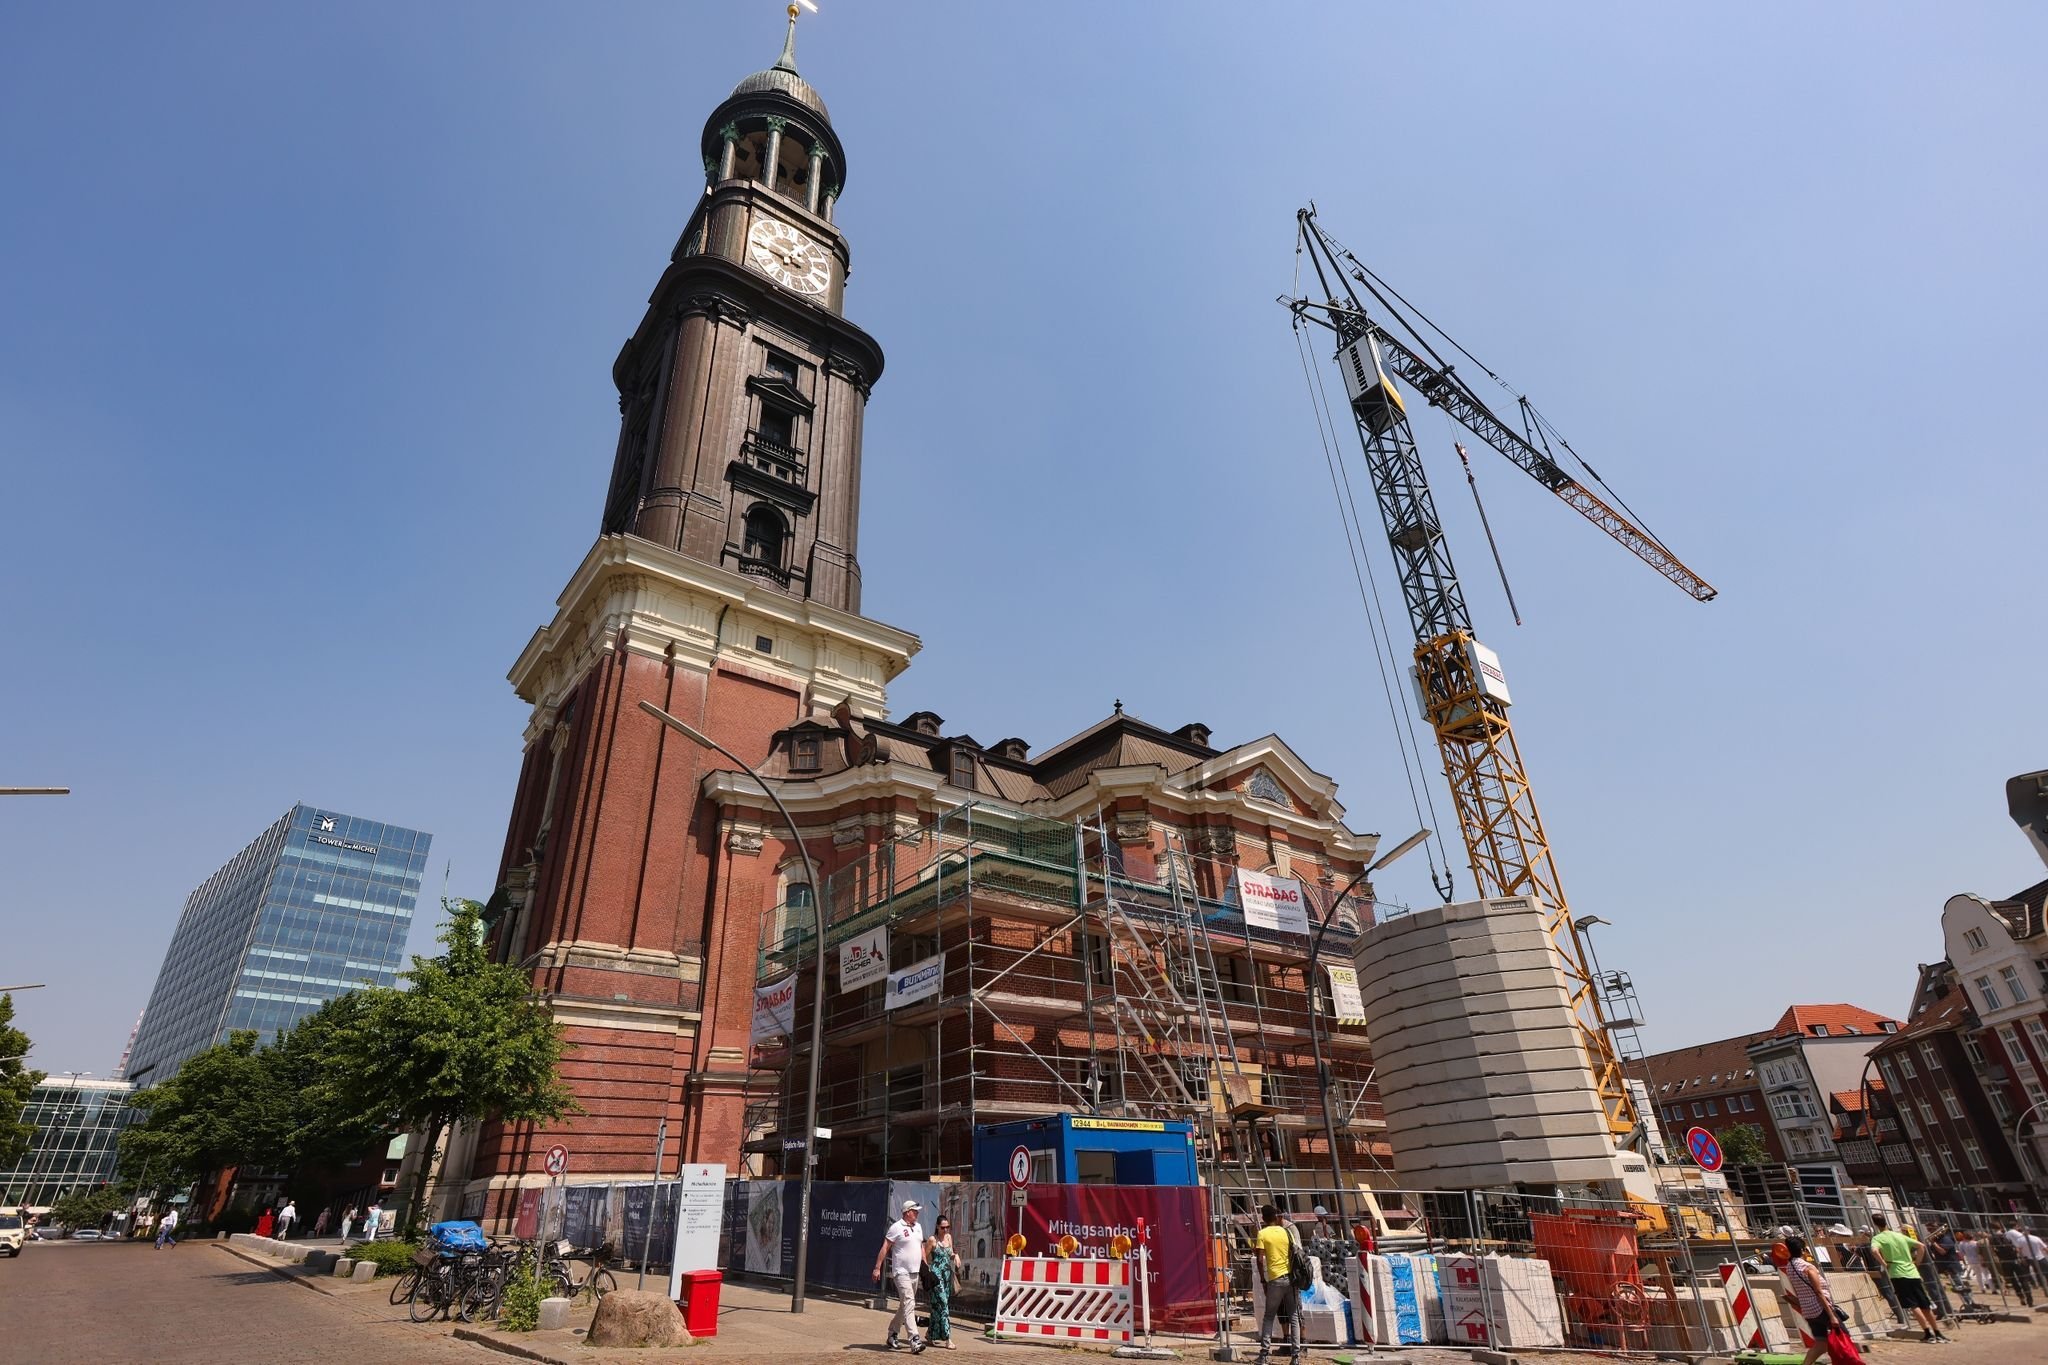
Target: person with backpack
1283	1266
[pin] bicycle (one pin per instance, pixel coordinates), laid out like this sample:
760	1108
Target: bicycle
600	1281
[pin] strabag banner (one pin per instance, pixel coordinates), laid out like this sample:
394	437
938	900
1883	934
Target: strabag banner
775	1009
1272	902
864	959
915	982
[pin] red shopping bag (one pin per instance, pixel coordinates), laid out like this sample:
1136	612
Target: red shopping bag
1842	1347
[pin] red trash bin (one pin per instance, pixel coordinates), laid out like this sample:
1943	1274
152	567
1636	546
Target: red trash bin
700	1301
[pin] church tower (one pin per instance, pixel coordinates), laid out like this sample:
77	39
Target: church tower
743	387
723	588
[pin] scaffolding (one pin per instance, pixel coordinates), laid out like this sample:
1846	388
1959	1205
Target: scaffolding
1068	985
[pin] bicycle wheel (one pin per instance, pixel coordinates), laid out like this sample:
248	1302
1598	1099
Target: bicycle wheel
556	1283
480	1298
600	1284
403	1287
431	1296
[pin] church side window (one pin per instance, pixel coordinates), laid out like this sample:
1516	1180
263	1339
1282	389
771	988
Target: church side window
765	533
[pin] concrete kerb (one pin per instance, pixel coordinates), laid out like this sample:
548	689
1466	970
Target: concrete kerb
283	1272
494	1342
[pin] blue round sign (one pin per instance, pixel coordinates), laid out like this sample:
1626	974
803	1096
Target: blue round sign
1705	1149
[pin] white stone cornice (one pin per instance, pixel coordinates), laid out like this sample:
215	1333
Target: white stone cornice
1274	752
652	600
824	795
1305	833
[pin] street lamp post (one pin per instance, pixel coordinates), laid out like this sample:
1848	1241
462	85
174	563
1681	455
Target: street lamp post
2019	1129
803	1224
1315	1032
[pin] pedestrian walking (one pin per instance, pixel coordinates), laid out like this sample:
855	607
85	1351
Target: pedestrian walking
320	1223
286	1216
1901	1255
374	1222
903	1249
1278	1247
942	1269
2037	1256
166	1228
1973	1258
1810	1292
2009	1258
1943	1261
348	1220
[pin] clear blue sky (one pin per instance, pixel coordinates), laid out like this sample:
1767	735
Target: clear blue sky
305	415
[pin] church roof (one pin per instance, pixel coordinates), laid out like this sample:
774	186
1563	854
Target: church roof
783	79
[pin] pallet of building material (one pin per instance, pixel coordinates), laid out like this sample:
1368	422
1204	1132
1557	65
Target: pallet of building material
1398	1294
1500	1301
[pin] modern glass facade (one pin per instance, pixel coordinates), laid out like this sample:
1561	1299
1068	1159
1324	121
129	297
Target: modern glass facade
77	1122
319	905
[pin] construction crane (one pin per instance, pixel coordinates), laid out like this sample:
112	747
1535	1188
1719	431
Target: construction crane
1463	693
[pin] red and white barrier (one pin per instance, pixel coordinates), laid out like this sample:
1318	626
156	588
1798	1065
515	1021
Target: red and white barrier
1740	1308
1043	1298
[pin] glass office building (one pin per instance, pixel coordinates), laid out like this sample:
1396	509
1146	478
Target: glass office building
77	1122
318	906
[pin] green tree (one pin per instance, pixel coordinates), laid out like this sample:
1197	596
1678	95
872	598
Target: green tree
465	1042
309	1114
17	1083
87	1208
215	1111
1743	1145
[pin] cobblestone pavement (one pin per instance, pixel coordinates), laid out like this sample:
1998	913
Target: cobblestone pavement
64	1302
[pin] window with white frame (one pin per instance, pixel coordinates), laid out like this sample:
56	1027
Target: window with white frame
1891	1081
1973	1050
1975	1154
1948	1161
2000	1106
2015	988
1989	993
2038	1031
1927	1113
1906	1066
2009	1039
1912	1128
1975	938
1927	1165
1930	1055
1952	1104
2035	1094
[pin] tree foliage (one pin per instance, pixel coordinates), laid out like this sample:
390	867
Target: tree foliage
464	1042
1743	1145
87	1208
17	1083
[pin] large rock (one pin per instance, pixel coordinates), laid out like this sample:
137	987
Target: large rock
632	1317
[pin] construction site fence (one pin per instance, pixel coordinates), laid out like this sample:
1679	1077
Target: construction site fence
850	1218
1508	1269
1989	1273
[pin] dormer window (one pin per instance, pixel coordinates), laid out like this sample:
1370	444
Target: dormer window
1820	1030
960	769
803	754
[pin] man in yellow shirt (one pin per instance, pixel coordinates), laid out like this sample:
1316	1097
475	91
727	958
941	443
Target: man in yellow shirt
1276	1247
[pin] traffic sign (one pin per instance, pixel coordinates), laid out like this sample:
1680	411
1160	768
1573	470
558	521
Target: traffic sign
1019	1196
557	1160
1704	1148
1020	1168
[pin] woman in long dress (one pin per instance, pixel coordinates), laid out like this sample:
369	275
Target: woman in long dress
944	1263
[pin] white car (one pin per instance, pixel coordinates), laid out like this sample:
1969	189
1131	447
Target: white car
11	1233
86	1235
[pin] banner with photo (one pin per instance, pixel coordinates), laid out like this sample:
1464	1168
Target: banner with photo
864	959
1272	902
1176	1218
770	1232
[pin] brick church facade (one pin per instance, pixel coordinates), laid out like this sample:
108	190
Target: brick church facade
648	884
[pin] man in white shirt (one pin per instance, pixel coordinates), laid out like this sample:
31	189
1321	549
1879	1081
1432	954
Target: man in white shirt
285	1218
903	1250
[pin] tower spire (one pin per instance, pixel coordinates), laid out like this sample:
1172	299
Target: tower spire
787	61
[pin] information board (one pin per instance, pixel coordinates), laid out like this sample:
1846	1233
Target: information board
700	1212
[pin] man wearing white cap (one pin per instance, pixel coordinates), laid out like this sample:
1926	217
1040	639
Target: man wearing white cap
903	1249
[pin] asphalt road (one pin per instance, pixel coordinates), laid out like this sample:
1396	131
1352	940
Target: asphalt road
62	1302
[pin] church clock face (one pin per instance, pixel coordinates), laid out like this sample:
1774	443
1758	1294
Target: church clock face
785	255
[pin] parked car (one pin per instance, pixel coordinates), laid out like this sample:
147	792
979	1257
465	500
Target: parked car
11	1233
86	1235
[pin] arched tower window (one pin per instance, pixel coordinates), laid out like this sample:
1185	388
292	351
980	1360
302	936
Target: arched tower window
766	534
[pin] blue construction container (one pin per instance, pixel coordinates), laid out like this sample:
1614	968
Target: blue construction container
1071	1149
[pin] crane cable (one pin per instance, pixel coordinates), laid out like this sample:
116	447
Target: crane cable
1405	739
1375	284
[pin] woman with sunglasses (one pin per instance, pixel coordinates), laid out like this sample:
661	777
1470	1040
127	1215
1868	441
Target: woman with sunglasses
942	1269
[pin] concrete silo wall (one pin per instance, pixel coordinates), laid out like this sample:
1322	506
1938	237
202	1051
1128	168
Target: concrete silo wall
1478	1057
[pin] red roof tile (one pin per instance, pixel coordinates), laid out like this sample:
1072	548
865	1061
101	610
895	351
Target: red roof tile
1838	1020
